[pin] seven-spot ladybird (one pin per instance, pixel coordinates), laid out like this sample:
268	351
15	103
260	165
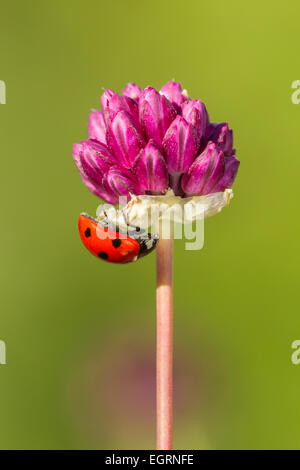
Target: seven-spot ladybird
113	244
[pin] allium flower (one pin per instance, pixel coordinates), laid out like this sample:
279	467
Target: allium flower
162	155
146	142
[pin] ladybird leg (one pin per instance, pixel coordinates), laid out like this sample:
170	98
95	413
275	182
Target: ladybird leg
135	229
137	232
122	225
103	222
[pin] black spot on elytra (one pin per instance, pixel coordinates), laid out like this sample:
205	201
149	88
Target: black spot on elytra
103	255
87	233
117	242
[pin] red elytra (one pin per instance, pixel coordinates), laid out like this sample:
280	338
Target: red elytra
109	245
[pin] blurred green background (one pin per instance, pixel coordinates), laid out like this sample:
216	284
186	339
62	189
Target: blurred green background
80	333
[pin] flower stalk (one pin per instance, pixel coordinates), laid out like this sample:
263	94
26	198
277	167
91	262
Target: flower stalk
160	153
164	344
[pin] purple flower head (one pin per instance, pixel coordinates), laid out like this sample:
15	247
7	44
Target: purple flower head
145	142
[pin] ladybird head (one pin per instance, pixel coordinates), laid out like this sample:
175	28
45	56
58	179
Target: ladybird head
147	243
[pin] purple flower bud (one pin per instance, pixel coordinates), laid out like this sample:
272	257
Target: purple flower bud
222	136
121	182
180	145
99	155
112	103
124	139
92	162
195	113
105	99
231	168
173	91
205	172
150	169
156	114
132	91
97	127
92	170
91	176
145	141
